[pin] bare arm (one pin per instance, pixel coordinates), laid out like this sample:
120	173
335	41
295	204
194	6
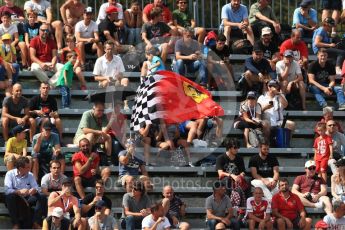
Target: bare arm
33	56
318	43
63	10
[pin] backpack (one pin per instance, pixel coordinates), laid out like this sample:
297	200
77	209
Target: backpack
255	137
242	46
210	39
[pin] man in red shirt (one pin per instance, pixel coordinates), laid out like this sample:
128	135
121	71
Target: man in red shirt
166	13
43	55
286	206
259	211
311	189
85	168
298	47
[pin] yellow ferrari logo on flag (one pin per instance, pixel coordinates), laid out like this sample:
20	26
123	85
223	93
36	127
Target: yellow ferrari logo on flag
192	92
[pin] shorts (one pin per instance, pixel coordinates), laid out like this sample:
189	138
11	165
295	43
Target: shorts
321	166
11	158
331	5
182	128
88	48
295	223
89	182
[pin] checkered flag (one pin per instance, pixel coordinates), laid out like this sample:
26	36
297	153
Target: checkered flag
147	109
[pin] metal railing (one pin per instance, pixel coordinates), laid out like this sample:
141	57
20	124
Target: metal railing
206	12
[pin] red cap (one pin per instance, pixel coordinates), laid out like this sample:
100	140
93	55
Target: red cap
111	9
321	224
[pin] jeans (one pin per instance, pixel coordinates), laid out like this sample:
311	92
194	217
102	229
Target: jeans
131	223
65	96
14	75
235	224
133	36
16	206
192	67
319	95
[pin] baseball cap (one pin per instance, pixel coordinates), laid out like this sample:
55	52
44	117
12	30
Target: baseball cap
309	163
111	9
100	204
88	10
305	3
321	224
67	181
288	53
251	95
6	37
47	125
257	47
266	30
19	129
57	212
273	83
329	20
340	162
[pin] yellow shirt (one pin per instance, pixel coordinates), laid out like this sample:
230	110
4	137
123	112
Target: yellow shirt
7	56
13	146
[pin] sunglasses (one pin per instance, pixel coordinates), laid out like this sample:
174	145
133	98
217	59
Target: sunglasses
311	168
331	125
44	30
98	208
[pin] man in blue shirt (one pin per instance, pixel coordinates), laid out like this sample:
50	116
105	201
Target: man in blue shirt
305	19
21	193
322	40
235	21
46	147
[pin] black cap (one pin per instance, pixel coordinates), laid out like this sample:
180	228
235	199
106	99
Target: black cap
218	184
19	129
257	47
67	181
305	3
251	95
273	83
340	162
100	204
329	20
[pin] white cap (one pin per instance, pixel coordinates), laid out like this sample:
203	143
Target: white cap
57	212
266	30
309	163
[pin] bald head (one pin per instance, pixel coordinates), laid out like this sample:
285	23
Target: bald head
168	192
16	90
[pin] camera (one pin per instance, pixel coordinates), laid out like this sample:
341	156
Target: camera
309	197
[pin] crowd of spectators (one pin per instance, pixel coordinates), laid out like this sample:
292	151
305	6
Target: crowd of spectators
56	50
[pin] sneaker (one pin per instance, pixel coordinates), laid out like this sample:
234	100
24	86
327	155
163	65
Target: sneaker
319	204
83	87
341	107
324	105
190	164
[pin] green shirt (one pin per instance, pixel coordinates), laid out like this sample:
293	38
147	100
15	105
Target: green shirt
89	121
68	67
267	11
183	18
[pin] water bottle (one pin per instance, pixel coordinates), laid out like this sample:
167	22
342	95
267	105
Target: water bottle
204	52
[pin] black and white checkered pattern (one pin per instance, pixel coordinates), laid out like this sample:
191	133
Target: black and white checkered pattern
146	109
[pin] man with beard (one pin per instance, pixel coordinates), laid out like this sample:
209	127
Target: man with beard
101	220
86	168
269	48
288	209
43	107
265	171
43	53
11	112
156	220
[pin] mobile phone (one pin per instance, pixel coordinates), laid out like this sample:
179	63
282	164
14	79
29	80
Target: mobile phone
270	102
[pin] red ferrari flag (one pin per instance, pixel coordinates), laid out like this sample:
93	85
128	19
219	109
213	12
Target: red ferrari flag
173	98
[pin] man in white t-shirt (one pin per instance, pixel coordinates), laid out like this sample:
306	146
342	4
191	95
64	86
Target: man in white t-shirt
102	14
156	219
86	34
273	103
290	75
44	10
109	68
336	219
